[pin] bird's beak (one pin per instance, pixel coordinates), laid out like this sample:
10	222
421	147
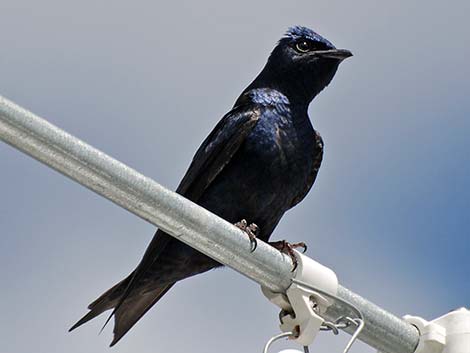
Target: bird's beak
338	54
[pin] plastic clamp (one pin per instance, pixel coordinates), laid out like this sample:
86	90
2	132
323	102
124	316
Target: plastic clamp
449	333
432	336
302	307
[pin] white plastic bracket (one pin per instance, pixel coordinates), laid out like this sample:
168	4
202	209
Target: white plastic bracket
432	337
449	333
302	307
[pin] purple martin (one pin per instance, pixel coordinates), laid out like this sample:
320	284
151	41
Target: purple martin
259	161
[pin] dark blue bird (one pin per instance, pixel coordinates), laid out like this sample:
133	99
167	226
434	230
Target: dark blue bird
260	160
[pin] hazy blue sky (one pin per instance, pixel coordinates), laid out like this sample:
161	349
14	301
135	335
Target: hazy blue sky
146	81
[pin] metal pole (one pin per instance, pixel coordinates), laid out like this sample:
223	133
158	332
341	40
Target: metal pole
181	218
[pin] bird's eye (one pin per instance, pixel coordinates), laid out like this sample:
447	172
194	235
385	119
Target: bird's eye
303	46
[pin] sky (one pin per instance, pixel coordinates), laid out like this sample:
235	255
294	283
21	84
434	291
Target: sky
145	81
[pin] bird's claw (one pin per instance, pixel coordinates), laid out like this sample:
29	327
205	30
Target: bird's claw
251	230
300	245
288	249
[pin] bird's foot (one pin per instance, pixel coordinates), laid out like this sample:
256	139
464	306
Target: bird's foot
251	230
288	249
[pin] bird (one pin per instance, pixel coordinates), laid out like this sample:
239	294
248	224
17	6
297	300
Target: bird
259	161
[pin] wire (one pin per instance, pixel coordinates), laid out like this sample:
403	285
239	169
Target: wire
275	338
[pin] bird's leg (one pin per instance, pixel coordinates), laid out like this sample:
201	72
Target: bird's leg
251	230
288	248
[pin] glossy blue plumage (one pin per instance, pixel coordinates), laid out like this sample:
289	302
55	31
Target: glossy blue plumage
299	32
266	97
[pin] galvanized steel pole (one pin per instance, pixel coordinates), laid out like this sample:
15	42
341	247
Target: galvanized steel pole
182	218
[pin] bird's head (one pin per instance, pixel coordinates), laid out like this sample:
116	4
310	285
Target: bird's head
301	65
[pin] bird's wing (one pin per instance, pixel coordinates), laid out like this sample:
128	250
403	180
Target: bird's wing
217	150
210	159
317	152
214	154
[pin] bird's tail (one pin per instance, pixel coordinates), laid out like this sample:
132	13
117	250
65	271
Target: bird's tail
128	312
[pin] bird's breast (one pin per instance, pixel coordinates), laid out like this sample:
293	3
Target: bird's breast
279	152
265	175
